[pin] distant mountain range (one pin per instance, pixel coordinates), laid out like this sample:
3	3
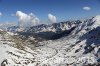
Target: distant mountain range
47	31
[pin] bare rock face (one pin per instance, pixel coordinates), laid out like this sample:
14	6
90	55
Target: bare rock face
4	63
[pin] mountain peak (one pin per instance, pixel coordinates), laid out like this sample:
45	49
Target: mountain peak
96	21
96	18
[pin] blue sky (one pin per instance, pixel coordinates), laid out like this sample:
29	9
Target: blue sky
61	9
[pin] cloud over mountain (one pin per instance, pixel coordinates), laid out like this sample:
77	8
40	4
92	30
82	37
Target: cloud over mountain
26	20
51	18
0	14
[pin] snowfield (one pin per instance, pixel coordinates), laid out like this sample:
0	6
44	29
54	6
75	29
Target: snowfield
80	48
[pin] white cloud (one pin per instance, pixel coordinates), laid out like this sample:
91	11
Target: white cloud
51	18
86	8
0	14
26	20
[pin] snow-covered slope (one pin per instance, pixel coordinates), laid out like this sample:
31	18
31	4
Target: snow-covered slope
11	54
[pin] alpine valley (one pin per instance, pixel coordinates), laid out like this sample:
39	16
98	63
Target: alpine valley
69	43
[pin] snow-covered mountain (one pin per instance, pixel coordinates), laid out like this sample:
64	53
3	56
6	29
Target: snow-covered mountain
55	27
51	31
79	45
